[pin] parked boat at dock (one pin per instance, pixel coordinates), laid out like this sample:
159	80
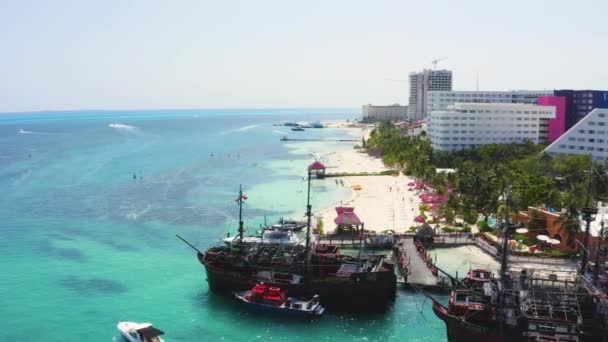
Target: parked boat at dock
270	299
284	224
305	269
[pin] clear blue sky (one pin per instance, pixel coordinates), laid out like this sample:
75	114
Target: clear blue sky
195	54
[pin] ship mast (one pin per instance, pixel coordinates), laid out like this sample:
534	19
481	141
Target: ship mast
308	213
506	233
588	216
240	200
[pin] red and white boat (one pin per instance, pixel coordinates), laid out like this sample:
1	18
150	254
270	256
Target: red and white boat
271	299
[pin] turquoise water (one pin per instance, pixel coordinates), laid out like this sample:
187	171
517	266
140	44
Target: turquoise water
85	245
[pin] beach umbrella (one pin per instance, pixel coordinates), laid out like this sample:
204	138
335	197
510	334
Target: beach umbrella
522	230
554	241
543	238
411	184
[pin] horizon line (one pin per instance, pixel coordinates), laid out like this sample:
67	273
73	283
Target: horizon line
162	109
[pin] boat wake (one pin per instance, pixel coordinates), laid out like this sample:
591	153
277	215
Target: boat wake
246	128
240	129
122	127
22	131
280	132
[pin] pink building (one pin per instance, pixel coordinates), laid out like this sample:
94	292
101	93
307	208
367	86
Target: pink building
557	126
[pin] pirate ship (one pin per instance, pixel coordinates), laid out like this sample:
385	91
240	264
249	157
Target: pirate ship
520	306
302	269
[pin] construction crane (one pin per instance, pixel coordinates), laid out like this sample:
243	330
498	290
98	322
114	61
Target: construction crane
437	61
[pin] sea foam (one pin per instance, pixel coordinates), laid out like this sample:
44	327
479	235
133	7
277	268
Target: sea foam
22	131
122	126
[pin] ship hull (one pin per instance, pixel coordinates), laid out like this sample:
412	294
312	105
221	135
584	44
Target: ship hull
460	330
362	291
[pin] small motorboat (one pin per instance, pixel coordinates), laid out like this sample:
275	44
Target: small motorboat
297	129
265	298
289	225
139	332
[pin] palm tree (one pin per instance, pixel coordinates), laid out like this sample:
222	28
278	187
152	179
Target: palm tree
569	221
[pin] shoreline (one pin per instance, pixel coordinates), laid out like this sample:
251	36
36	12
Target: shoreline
383	203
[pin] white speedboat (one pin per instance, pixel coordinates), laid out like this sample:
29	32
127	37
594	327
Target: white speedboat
139	332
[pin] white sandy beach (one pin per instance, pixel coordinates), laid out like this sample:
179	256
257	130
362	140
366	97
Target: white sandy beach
384	201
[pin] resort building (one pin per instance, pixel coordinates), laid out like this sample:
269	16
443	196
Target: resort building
570	105
588	136
440	100
465	125
578	103
557	126
416	128
384	113
420	84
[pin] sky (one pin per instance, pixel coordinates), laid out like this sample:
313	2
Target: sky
150	54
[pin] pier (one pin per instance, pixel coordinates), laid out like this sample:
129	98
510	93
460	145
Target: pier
334	140
419	274
361	174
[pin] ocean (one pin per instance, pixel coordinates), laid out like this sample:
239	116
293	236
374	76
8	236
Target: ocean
91	202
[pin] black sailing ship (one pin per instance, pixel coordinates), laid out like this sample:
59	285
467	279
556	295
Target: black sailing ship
302	269
520	307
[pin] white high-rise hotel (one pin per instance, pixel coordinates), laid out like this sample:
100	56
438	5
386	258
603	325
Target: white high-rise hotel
440	100
465	125
588	136
420	84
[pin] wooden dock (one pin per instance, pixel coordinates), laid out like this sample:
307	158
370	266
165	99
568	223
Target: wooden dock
419	273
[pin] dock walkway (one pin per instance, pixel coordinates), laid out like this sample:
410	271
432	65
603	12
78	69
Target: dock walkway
419	274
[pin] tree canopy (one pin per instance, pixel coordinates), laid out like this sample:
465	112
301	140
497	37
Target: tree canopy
482	173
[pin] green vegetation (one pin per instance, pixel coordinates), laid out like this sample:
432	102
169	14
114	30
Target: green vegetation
525	239
320	227
483	173
483	226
